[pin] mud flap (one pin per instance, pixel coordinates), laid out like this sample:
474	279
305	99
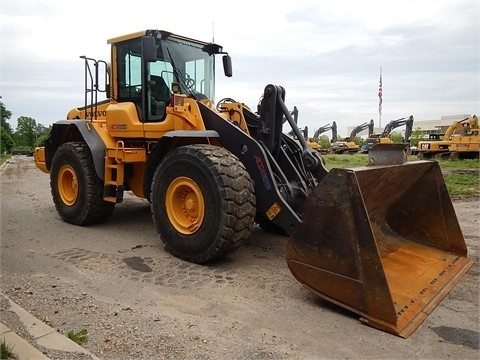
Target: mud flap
381	241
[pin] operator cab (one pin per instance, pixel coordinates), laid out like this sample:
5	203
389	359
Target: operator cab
146	67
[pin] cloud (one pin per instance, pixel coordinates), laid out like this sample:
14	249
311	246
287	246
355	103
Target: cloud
326	54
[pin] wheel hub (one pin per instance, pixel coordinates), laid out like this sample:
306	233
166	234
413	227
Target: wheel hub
68	185
185	205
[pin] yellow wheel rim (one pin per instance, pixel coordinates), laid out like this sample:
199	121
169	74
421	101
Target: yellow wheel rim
185	205
68	185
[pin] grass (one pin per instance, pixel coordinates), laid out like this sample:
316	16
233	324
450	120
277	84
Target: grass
4	157
462	184
458	183
79	337
345	160
6	352
462	177
464	164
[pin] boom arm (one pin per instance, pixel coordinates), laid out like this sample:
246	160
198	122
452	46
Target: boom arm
458	125
334	131
396	123
360	128
324	128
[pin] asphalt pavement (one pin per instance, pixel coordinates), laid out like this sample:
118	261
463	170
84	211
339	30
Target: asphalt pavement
41	335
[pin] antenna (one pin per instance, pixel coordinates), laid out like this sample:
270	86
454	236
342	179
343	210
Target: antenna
213	32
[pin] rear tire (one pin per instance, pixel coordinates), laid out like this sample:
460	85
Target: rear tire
76	189
202	202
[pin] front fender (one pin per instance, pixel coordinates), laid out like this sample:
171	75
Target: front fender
76	130
167	142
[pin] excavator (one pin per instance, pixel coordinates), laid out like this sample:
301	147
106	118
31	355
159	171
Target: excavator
357	237
459	141
303	132
348	146
384	138
467	144
313	141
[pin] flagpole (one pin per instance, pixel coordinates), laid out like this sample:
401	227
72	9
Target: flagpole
380	100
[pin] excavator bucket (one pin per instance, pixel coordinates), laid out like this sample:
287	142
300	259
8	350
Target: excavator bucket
381	241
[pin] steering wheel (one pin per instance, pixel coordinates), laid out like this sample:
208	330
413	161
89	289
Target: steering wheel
190	83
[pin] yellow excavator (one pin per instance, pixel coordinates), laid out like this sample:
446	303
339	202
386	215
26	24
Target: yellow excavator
440	146
348	146
460	141
313	141
357	237
384	137
467	144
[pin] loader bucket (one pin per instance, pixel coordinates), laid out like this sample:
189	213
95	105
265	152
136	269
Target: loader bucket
387	154
381	241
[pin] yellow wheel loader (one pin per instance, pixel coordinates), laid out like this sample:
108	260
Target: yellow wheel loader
381	240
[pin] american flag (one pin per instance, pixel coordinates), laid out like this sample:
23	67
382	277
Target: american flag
380	94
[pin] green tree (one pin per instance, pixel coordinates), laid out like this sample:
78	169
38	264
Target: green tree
42	134
417	135
6	140
324	142
359	141
396	137
26	132
5	115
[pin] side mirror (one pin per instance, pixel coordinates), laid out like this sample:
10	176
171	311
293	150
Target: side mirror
149	49
227	65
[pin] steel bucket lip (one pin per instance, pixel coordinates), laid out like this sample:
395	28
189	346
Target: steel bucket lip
410	322
387	154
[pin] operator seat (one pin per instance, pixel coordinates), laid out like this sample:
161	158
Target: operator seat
160	98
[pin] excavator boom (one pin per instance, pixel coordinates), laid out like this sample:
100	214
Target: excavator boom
325	128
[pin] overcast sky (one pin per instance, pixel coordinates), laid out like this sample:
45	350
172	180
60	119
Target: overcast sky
326	54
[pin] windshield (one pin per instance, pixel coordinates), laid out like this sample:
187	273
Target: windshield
181	61
177	61
186	63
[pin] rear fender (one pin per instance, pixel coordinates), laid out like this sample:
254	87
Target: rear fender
169	141
76	130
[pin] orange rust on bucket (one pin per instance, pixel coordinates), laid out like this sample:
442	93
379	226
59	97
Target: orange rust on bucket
381	241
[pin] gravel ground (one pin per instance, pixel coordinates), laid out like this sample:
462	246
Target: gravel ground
138	302
117	331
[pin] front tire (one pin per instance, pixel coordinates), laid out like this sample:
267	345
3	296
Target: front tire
203	202
76	189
